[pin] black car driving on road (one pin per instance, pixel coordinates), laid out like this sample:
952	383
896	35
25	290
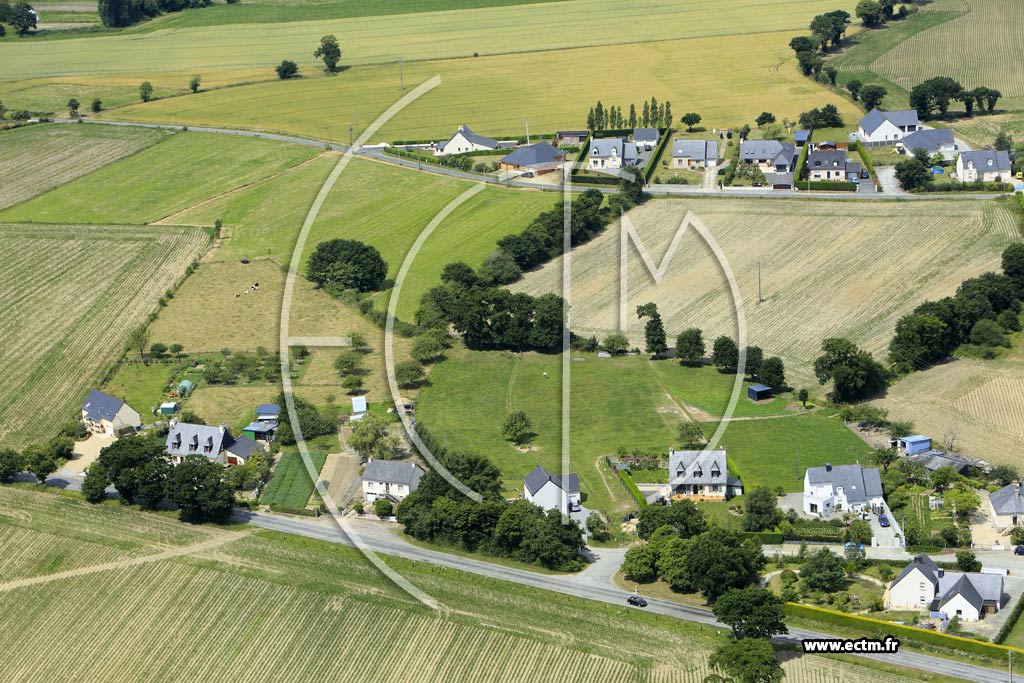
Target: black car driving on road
636	601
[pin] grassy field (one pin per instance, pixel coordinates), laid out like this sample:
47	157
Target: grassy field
140	386
830	269
733	78
39	158
161	180
70	296
982	130
317	602
290	485
622	402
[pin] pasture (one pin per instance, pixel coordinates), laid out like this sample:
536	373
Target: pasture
70	296
425	36
830	269
183	169
290	484
36	159
317	602
730	80
140	386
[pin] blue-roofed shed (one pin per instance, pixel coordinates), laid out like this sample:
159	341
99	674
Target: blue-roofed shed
261	430
759	392
801	137
916	443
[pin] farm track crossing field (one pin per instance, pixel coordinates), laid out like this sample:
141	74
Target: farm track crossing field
424	35
184	169
830	269
316	602
730	79
70	296
35	159
951	49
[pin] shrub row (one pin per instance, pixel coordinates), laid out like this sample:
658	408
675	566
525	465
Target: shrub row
798	171
765	537
630	485
865	158
964	187
1011	621
289	510
829	185
656	154
906	634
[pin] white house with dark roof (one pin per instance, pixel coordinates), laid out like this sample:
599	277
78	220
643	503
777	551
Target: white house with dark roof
1007	506
831	165
932	140
700	475
552	491
923	585
694	153
540	157
831	489
107	415
771	156
646	138
464	140
986	165
390	479
214	442
610	153
887	127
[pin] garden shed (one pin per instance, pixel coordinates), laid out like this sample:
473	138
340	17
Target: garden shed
759	392
185	388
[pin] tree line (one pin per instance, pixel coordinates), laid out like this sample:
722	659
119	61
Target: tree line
19	15
41	459
651	114
438	513
121	13
932	98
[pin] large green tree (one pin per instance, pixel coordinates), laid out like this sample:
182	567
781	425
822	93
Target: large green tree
654	330
761	512
329	51
751	612
690	346
773	373
11	464
751	660
341	264
855	374
824	571
199	488
371	437
724	353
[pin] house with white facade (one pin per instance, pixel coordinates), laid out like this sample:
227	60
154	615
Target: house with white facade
464	140
881	128
1007	506
700	475
831	489
986	165
831	165
552	491
108	416
932	140
390	479
611	153
923	585
771	156
213	442
694	153
646	138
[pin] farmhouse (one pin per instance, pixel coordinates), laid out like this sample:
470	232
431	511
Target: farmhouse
701	475
1007	506
831	489
464	141
924	585
215	442
109	416
552	491
537	158
831	165
986	165
932	140
646	138
771	156
611	153
691	153
887	127
390	479
571	138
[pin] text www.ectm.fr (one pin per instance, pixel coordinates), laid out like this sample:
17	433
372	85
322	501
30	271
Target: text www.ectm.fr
860	645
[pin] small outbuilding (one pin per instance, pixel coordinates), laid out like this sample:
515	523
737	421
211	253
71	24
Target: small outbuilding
914	444
359	408
169	407
759	392
185	388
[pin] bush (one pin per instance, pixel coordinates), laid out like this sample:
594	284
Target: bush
829	186
382	507
287	69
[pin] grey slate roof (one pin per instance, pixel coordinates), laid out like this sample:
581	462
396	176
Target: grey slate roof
603	147
819	159
697	467
100	406
393	472
773	150
1008	500
987	160
931	140
962	587
876	117
933	460
976	587
698	150
534	155
535	480
475	138
190	439
645	133
268	409
242	447
925	564
859	484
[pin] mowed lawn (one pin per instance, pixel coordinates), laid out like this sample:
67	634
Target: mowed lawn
167	177
730	80
620	402
36	159
140	386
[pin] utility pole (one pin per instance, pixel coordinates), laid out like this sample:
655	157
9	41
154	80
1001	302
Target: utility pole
350	135
275	11
1010	655
527	130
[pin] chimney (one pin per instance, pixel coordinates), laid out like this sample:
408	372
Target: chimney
828	467
1016	488
942	572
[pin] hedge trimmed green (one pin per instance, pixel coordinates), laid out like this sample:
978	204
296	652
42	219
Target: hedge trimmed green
766	537
631	486
1011	621
830	185
656	154
904	633
865	158
798	171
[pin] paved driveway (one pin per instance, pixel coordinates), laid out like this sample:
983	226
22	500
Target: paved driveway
887	179
86	452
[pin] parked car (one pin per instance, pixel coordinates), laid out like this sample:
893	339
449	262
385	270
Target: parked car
574	507
851	546
864	175
528	174
636	601
1019	550
883	520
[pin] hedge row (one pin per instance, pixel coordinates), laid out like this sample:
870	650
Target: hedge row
830	185
798	171
766	537
287	509
1011	621
964	187
865	159
656	154
904	633
631	486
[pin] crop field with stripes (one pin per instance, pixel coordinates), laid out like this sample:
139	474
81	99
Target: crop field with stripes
828	269
261	606
70	295
40	158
